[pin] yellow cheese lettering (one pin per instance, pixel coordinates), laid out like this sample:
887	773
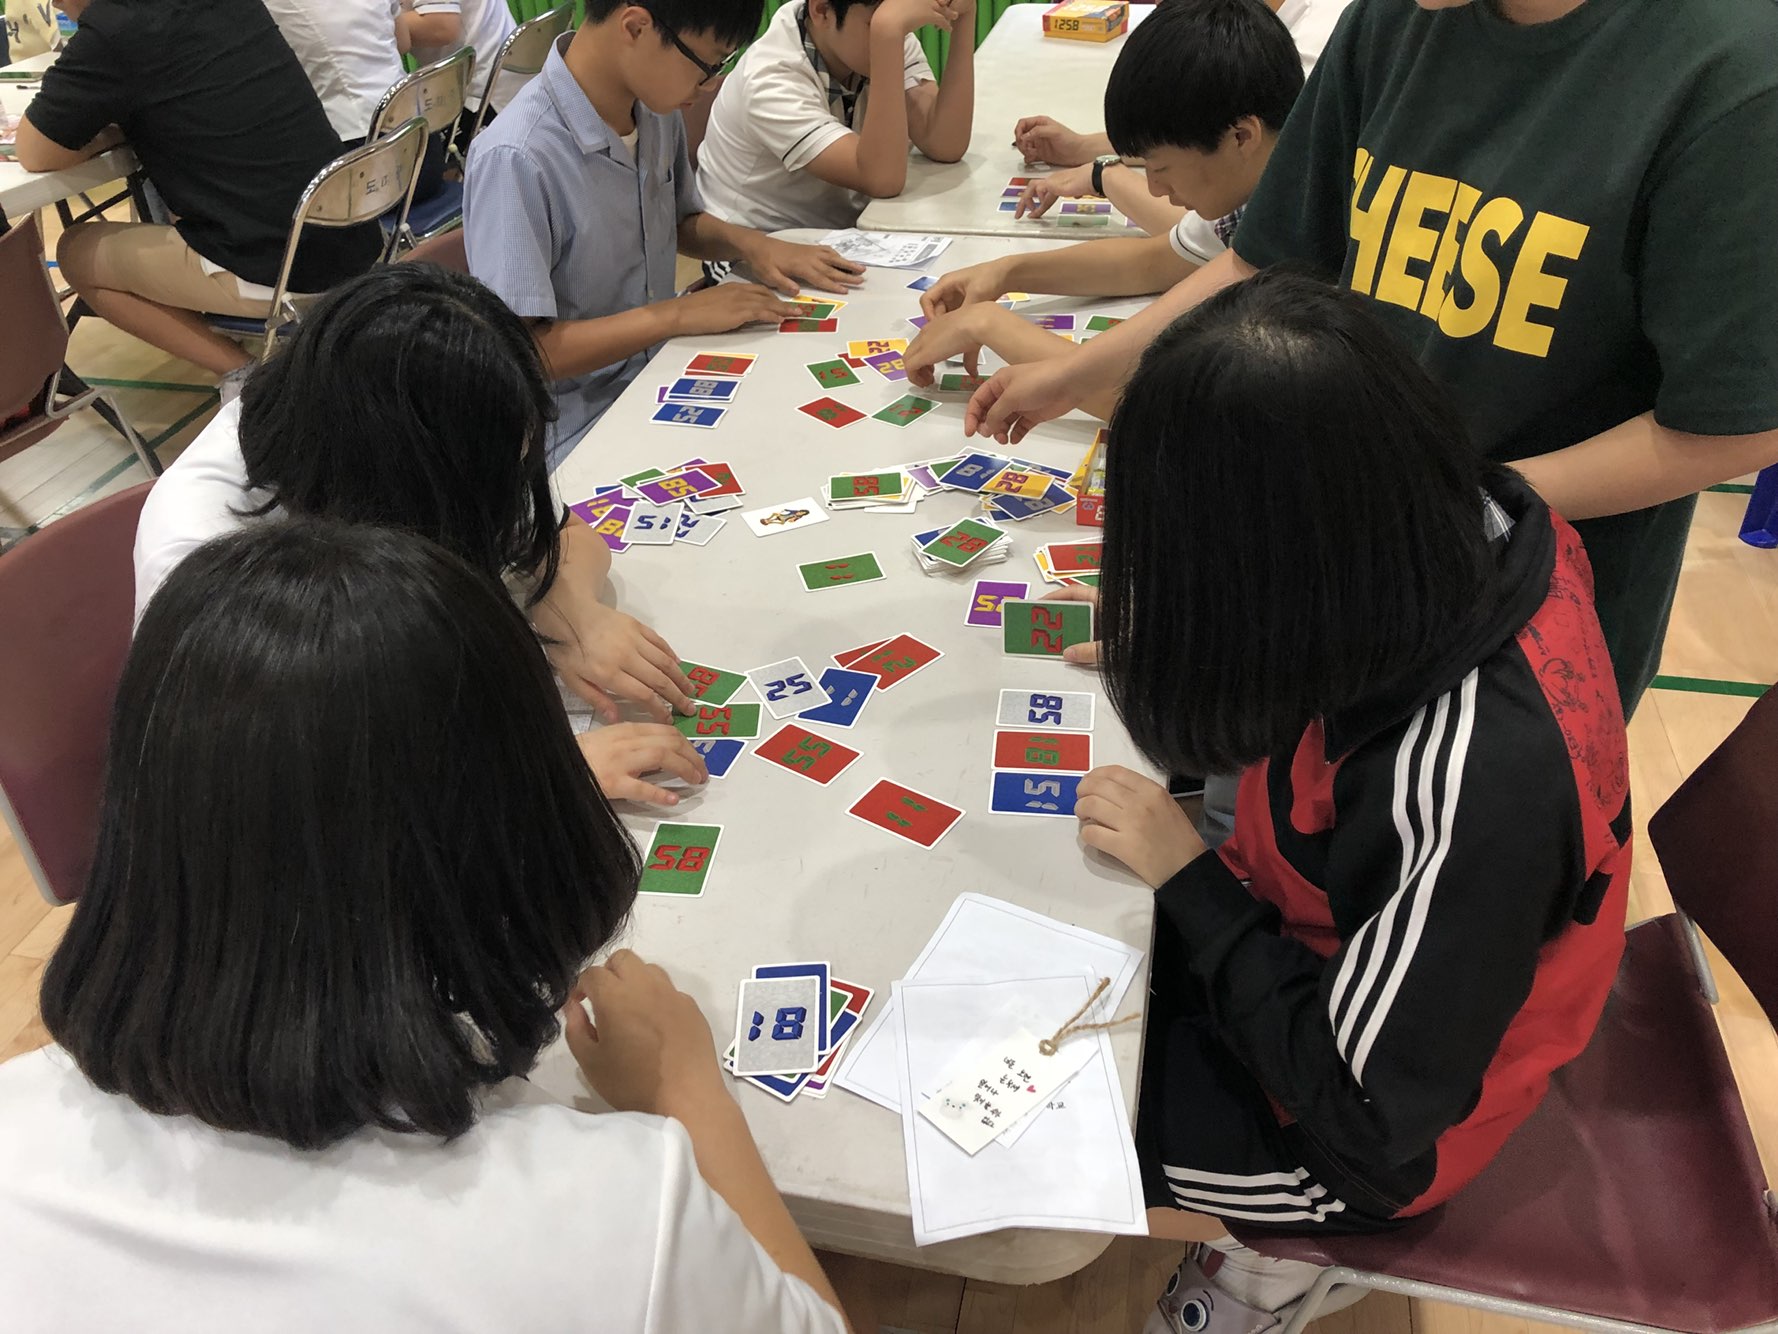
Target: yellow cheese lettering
1499	217
1370	225
1410	240
1438	281
1532	285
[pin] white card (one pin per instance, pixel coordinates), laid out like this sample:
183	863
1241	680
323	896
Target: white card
782	518
1000	1087
697	528
652	525
714	504
787	687
776	1025
1066	711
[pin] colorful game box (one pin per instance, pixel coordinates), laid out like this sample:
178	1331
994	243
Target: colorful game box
1087	20
1088	484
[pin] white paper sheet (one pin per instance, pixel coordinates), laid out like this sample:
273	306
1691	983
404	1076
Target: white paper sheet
985	940
1076	1171
886	250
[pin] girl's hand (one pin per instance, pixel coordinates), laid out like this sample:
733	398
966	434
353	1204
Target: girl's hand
1135	820
621	753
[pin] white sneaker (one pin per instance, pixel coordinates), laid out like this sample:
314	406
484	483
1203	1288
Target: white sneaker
1192	1304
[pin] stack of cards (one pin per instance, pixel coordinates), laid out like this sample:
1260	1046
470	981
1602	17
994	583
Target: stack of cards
1011	489
702	396
769	1031
1070	562
892	490
965	543
657	508
888	662
1041	750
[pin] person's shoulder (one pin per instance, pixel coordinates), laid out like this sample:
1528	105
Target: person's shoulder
519	138
1729	44
642	1149
43	1080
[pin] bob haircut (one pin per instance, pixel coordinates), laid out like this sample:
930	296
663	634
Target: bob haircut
1293	524
350	859
730	22
1193	69
411	397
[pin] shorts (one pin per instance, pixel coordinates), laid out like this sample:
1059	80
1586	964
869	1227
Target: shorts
152	260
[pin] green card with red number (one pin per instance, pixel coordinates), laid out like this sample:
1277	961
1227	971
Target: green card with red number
962	542
711	722
679	859
863	568
1044	629
711	685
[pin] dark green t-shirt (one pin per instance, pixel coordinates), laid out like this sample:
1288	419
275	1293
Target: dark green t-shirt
1571	223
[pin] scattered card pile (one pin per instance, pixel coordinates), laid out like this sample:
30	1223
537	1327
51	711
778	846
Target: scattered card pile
965	543
796	1017
658	508
1042	748
1070	562
704	394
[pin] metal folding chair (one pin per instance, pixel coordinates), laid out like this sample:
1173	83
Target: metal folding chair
523	52
358	187
435	93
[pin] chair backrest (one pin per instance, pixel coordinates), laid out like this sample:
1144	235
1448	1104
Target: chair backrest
36	335
1717	838
67	603
447	250
435	93
697	116
524	52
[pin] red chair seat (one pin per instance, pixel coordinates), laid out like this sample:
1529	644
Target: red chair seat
1630	1194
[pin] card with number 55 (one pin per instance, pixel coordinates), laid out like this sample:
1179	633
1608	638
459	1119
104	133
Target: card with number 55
679	859
803	752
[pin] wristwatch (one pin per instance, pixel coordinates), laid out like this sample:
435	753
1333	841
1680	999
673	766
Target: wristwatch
1099	165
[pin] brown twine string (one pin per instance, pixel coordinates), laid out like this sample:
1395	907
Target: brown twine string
1049	1045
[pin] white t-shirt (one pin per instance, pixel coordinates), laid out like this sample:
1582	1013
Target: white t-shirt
347	48
770	120
541	1219
486	26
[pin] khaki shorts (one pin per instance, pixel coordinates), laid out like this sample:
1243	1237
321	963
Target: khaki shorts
152	260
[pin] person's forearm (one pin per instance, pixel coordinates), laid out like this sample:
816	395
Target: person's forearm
1641	463
883	138
36	151
730	1164
706	236
1127	188
1016	340
945	137
574	347
1121	266
427	32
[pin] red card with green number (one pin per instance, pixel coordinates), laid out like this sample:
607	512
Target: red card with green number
721	363
1075	557
679	859
808	326
831	411
803	752
905	813
894	660
1070	752
724	477
852	655
1044	629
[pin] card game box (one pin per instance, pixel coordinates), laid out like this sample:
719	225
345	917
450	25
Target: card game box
1086	20
1088	485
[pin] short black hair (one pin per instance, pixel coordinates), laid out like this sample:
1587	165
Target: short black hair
842	7
731	22
1293	524
1195	67
412	397
349	860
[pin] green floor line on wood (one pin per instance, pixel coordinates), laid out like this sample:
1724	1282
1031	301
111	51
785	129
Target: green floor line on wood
1699	685
1731	489
122	466
165	385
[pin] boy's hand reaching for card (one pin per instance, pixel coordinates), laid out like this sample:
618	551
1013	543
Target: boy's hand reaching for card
1041	139
964	287
647	1047
1083	655
1135	820
620	754
945	336
1043	193
1019	398
727	306
788	267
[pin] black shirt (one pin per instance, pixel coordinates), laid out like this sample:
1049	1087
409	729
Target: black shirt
214	103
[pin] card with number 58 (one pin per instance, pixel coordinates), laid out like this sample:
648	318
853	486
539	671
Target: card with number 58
679	859
1062	710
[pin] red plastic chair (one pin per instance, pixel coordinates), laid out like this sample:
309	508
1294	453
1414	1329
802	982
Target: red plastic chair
67	602
34	342
1633	1199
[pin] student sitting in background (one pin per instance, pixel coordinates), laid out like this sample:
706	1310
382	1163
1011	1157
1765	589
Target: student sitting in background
224	122
349	870
348	51
579	195
1311	576
797	140
1094	168
433	29
1199	93
412	398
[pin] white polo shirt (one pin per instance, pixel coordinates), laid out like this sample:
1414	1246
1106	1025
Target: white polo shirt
777	112
486	26
347	48
540	1218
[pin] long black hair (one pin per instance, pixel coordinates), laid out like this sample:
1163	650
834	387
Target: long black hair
349	858
413	398
1293	524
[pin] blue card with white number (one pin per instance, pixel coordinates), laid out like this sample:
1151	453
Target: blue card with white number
819	970
719	392
1019	792
688	414
847	694
719	756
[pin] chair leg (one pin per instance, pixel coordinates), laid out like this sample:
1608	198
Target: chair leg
1310	1305
106	408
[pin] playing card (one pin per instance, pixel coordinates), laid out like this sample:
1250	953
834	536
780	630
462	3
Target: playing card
832	412
688	414
677	486
1010	205
1074	557
973	471
775	1033
863	568
720	720
1014	482
610	527
835	374
802	751
822	1013
1083	220
852	655
679	859
962	542
1068	752
985	600
888	365
726	484
786	687
905	411
919	321
652	525
1016	792
637	477
956	382
714	390
905	813
1078	206
1044	629
714	504
1017	508
697	529
808	326
870	347
894	660
920	284
1100	323
719	756
733	364
847	693
817	310
711	685
782	518
1067	711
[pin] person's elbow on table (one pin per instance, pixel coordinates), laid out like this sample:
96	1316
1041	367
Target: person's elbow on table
36	151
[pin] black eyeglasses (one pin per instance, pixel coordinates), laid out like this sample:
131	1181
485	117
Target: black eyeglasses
708	70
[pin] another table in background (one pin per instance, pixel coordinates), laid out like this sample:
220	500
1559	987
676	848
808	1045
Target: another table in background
1018	72
796	877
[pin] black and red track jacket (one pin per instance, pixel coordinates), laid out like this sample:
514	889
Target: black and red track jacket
1421	910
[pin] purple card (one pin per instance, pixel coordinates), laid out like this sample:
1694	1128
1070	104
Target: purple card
984	602
888	365
919	321
679	486
1054	323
